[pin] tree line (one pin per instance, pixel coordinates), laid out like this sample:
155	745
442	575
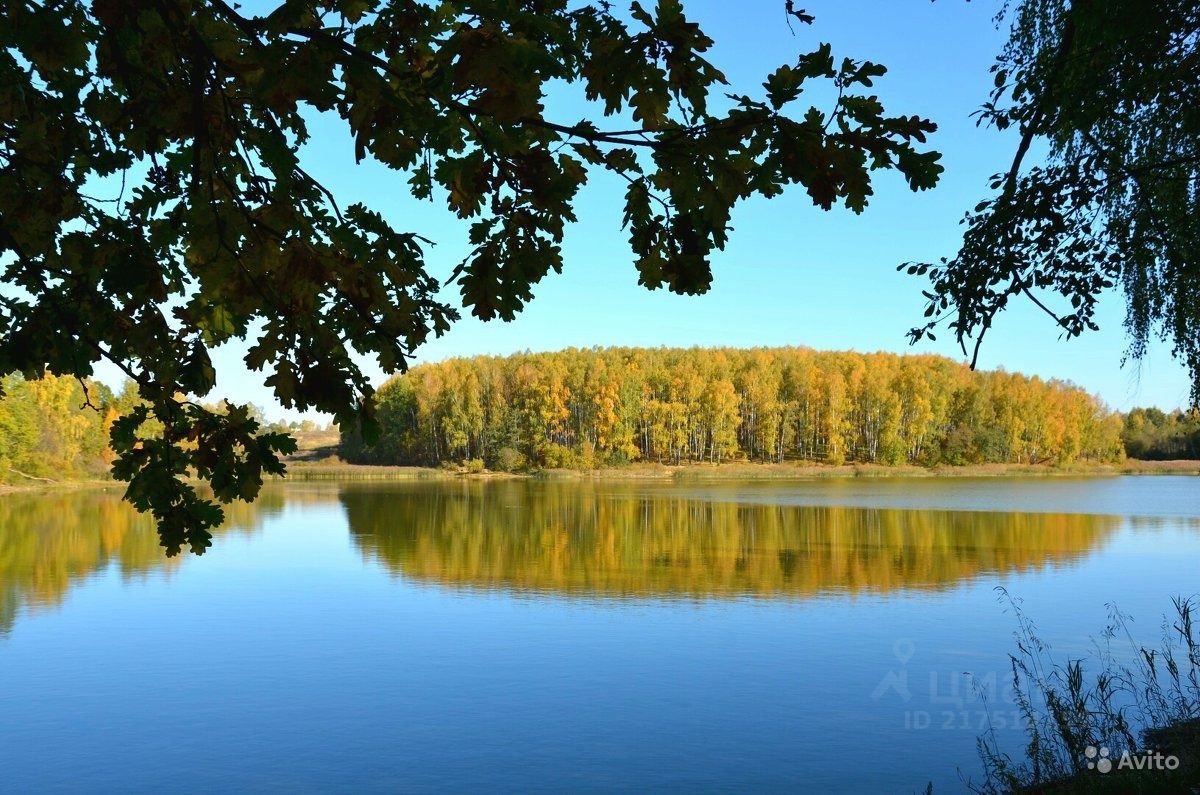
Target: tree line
602	407
1156	435
57	427
583	408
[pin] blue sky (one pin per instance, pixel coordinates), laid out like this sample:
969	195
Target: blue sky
792	274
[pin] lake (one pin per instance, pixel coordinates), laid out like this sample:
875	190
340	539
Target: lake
524	635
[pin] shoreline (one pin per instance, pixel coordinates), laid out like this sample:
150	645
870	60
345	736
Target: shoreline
59	485
318	471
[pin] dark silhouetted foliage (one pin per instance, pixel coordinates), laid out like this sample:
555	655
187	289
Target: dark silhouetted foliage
1113	90
156	199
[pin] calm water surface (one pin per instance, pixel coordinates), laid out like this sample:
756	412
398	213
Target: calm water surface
560	636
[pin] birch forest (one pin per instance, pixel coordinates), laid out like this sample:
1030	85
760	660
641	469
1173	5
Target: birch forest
600	407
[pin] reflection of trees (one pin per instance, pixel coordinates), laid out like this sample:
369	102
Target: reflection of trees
566	537
50	541
578	538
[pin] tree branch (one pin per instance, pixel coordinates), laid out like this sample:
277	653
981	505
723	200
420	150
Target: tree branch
254	29
1030	130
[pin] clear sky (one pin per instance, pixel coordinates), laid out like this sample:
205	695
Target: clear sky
792	274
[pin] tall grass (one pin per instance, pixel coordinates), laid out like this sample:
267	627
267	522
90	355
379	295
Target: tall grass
356	472
1138	700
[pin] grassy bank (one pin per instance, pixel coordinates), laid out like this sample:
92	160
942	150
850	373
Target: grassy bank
1126	719
338	471
47	484
332	469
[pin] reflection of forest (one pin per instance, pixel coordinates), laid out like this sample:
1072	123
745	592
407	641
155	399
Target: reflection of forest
49	541
580	538
601	539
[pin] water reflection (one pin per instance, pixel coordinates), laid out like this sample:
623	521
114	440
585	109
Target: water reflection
597	540
567	538
51	541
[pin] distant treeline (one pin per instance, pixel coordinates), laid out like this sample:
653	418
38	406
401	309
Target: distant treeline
587	408
1155	435
57	427
584	408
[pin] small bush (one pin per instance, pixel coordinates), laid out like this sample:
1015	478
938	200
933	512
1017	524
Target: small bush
509	459
586	458
556	456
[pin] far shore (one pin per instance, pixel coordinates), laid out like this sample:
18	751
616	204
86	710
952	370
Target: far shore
334	470
48	484
329	471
